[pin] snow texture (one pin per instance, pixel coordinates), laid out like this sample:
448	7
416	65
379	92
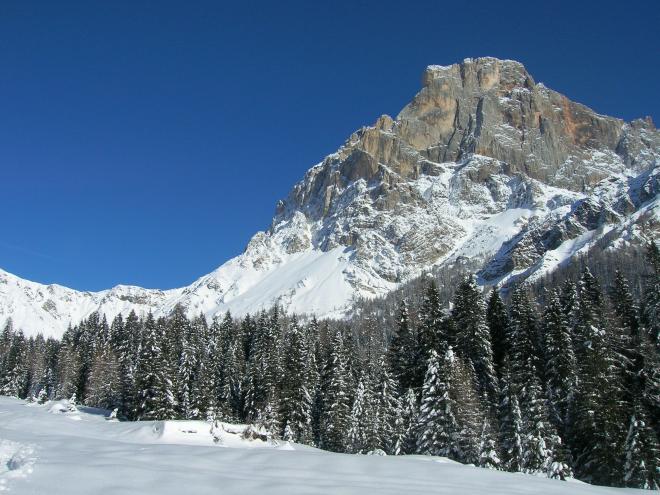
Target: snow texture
43	450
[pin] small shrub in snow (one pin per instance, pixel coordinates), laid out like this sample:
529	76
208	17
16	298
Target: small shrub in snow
251	433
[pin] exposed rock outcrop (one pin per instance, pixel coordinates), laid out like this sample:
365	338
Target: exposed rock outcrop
484	163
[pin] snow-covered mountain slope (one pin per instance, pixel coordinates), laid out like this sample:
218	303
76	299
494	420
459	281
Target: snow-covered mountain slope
45	449
483	163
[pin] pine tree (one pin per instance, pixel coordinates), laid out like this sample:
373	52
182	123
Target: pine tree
469	412
269	420
511	424
590	312
104	380
498	322
520	338
359	436
385	407
405	441
561	365
651	295
155	397
403	352
488	455
204	385
437	426
84	345
185	379
67	366
296	402
231	393
631	348
216	356
539	436
15	380
126	348
473	339
599	418
6	338
642	455
264	367
434	334
336	400
38	367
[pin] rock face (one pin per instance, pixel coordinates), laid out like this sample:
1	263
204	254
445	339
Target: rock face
479	139
483	163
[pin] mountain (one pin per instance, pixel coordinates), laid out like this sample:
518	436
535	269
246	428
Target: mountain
483	164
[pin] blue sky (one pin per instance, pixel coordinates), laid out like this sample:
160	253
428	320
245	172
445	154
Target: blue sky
145	142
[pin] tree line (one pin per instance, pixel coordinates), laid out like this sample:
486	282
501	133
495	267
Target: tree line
567	387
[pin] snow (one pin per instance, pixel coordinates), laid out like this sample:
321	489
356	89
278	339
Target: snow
487	236
309	281
286	265
49	453
357	247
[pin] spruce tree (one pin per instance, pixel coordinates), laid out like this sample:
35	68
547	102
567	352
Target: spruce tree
126	349
437	426
469	412
599	425
186	376
473	342
489	457
434	331
641	454
511	428
360	434
498	322
231	393
296	400
405	441
155	397
104	380
403	352
15	380
561	365
336	399
386	406
651	296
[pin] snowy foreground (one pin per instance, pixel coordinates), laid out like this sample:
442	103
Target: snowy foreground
48	449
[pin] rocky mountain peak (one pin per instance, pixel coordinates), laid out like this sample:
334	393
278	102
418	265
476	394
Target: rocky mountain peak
487	107
482	137
483	73
484	164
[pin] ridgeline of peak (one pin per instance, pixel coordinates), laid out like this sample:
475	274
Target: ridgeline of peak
492	108
483	163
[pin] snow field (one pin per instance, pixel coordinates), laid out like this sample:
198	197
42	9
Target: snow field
54	448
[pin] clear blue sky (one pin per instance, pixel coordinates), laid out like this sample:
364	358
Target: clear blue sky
145	142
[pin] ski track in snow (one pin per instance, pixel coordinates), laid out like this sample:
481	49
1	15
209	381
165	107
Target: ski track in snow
81	452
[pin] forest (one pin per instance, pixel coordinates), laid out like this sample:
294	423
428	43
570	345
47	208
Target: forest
560	376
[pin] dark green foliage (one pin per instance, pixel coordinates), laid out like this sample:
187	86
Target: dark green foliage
334	420
154	389
296	399
437	425
473	340
560	363
403	352
498	323
560	381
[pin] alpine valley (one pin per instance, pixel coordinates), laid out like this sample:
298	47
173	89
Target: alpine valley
484	164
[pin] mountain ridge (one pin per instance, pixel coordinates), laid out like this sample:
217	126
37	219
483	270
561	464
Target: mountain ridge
482	163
